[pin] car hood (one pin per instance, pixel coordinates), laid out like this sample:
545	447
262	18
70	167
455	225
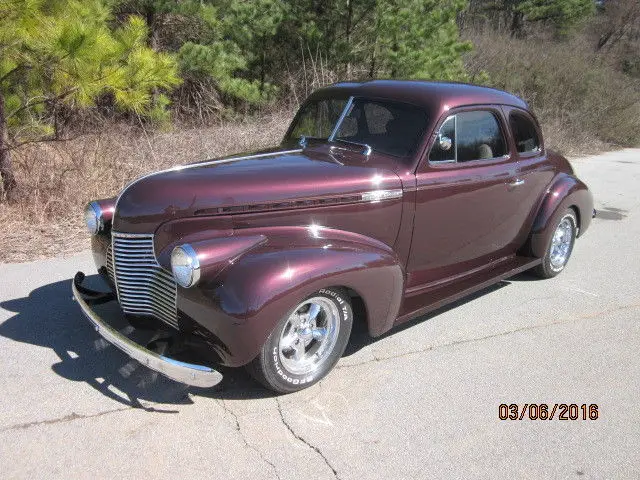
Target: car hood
271	180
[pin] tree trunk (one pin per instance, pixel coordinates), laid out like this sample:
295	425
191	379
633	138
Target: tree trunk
372	65
150	18
152	40
517	25
263	64
7	177
348	37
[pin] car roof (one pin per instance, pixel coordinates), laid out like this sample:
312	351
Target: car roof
433	95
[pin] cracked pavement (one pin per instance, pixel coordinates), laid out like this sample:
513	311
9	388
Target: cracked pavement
421	402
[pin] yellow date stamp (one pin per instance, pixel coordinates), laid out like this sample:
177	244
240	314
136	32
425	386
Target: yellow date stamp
548	411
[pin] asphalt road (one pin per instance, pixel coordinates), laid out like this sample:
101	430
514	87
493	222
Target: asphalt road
420	403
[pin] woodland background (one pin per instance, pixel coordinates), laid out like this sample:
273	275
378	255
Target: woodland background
96	92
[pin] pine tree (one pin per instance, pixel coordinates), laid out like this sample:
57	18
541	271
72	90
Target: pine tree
390	38
216	40
57	53
419	39
561	15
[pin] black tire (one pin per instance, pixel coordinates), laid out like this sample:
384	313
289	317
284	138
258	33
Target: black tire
550	268
274	365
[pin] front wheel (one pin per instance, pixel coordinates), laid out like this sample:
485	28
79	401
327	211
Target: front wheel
306	344
559	247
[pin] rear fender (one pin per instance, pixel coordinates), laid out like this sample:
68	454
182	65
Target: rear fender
242	304
566	191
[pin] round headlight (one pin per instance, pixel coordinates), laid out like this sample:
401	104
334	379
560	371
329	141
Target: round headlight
185	266
93	218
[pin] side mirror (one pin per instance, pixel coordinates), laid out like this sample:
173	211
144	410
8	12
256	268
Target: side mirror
302	141
445	143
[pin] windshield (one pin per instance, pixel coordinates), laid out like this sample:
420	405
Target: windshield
388	127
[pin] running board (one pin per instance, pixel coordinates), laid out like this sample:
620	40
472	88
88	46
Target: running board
432	298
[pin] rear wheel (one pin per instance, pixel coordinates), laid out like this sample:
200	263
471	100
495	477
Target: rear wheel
559	247
307	343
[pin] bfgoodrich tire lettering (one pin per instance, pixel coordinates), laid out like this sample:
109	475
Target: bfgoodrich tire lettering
306	343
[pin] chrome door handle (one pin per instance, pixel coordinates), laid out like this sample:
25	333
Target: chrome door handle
516	183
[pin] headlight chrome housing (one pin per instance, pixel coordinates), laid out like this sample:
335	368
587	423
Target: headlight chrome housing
185	265
93	218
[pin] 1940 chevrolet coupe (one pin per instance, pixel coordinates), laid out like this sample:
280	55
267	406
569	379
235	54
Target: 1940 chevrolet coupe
407	195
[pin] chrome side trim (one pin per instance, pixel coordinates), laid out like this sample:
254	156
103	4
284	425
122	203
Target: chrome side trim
188	373
202	164
379	195
371	196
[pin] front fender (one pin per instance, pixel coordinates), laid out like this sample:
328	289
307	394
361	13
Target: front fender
566	191
242	305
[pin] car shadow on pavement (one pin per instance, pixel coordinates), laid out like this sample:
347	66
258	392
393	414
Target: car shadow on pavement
50	318
360	337
525	277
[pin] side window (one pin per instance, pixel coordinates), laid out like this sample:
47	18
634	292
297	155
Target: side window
473	135
479	136
524	133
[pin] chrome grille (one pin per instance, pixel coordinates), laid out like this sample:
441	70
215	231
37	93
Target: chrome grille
110	264
144	288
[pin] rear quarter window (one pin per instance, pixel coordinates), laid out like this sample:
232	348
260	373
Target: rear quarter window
524	132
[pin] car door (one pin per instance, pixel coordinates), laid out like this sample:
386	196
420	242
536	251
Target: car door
534	170
466	210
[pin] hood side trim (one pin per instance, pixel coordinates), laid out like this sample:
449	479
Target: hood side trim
374	196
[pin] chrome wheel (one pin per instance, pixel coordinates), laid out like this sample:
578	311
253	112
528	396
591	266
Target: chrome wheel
309	336
561	244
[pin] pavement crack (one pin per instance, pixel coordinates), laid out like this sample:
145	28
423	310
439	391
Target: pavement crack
304	441
236	425
67	418
587	316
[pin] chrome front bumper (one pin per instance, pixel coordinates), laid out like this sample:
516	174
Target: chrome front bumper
190	374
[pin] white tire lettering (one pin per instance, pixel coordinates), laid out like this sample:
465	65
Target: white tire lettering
301	381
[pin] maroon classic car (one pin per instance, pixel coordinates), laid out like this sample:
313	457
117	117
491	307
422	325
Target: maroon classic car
406	195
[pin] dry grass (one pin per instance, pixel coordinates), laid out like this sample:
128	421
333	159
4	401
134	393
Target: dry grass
57	179
584	106
582	102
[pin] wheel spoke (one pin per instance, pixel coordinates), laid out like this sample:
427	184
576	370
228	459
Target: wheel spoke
298	350
319	333
287	343
297	319
313	312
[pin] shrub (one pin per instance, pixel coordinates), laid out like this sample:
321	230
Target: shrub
581	101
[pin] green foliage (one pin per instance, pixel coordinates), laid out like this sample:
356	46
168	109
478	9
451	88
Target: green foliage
216	41
390	38
420	39
516	15
59	53
562	14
